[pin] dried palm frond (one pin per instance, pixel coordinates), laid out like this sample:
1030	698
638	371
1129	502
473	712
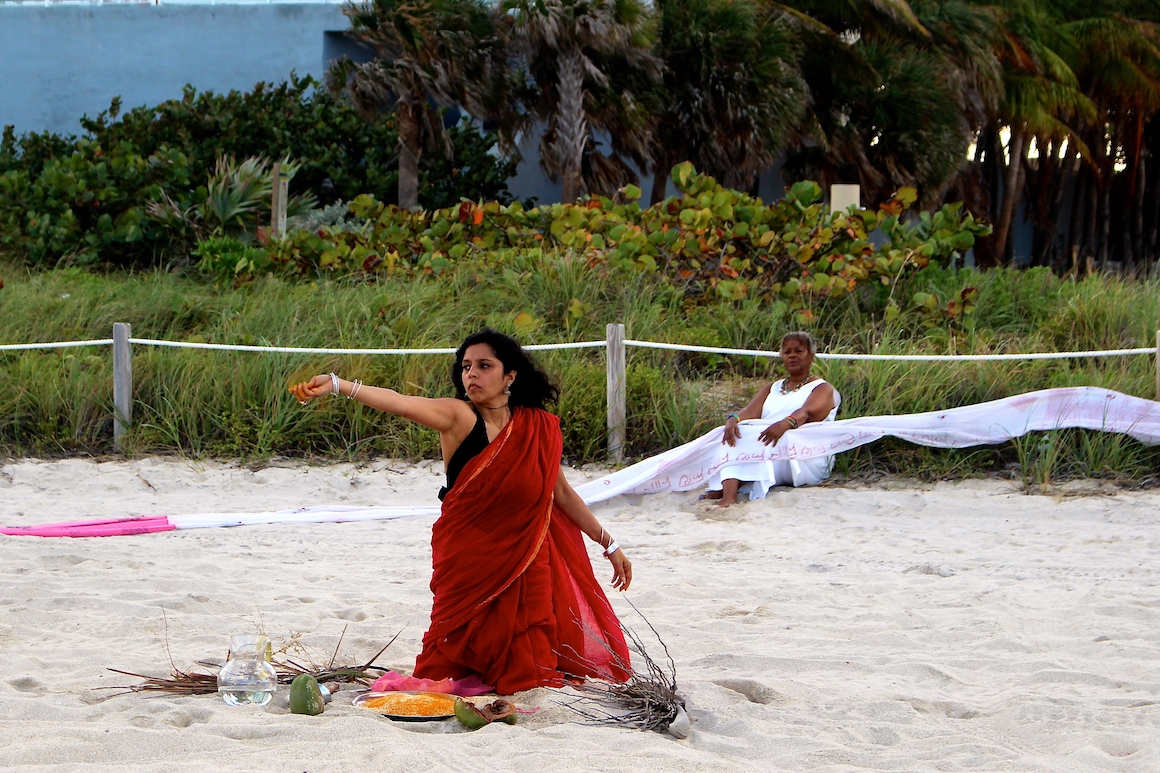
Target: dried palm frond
288	669
647	700
196	683
178	683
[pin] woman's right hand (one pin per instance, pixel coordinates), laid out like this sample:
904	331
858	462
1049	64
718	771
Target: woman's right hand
732	431
319	386
621	570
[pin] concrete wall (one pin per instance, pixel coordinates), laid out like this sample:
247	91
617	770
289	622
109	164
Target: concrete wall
59	62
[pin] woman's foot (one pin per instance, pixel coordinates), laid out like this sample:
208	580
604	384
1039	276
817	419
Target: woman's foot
729	489
711	495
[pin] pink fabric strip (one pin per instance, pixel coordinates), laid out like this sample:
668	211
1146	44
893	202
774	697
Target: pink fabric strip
113	528
392	681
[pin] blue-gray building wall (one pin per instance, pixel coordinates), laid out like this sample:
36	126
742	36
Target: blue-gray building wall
58	62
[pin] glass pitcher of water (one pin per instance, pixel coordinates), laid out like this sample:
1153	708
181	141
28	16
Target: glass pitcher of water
247	678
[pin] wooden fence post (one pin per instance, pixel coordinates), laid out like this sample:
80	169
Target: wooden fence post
122	381
617	410
278	196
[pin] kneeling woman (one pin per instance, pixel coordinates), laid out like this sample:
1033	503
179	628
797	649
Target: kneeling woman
797	399
516	601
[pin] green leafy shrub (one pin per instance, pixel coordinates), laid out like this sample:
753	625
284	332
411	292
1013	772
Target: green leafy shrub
88	199
88	203
227	259
714	243
341	153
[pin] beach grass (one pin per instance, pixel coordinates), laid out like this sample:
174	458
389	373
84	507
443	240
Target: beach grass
235	405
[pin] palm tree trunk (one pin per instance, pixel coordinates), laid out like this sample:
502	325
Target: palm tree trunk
571	125
1091	216
1065	180
989	154
1105	217
1152	240
1138	251
1011	188
1077	216
409	152
661	169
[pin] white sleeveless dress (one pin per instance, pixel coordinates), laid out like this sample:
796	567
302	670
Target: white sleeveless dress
759	477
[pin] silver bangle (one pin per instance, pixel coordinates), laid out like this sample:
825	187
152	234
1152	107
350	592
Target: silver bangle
612	548
357	385
334	384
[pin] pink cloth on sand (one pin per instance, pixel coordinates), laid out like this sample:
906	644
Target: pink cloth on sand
467	687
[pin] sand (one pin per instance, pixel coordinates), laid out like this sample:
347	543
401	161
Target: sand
895	626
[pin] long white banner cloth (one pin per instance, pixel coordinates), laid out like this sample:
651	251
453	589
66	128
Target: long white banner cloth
689	466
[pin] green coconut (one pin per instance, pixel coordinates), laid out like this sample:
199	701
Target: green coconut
305	696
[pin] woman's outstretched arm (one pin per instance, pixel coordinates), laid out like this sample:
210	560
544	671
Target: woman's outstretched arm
442	414
577	511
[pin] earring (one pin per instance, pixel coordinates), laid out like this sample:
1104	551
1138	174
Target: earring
507	389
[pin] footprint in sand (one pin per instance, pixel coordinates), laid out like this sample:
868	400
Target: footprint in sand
946	708
27	684
931	569
754	691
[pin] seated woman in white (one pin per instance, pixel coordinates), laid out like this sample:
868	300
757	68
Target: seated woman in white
797	399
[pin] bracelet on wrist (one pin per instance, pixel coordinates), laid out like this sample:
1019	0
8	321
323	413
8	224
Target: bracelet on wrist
612	548
791	421
334	384
732	416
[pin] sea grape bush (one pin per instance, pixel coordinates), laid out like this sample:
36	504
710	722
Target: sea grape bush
88	202
716	244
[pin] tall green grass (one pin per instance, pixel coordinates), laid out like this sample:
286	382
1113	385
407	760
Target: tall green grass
231	404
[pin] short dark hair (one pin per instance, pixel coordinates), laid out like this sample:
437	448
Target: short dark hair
532	387
803	338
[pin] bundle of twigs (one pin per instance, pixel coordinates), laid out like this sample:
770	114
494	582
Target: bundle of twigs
647	700
197	683
364	674
177	683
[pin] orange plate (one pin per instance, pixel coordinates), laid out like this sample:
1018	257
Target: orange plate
409	706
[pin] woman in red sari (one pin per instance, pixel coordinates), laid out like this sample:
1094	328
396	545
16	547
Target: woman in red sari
516	601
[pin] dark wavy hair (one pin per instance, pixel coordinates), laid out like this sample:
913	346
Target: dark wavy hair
532	387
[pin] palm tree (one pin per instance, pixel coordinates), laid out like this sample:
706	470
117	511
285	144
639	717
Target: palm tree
1117	64
889	98
731	95
588	62
1041	99
429	53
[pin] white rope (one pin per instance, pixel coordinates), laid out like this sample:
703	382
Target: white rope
285	349
309	350
983	357
901	357
600	344
709	349
58	344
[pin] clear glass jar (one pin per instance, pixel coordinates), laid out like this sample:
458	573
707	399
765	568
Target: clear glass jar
247	678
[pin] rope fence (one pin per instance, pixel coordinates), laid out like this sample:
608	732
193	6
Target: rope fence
615	345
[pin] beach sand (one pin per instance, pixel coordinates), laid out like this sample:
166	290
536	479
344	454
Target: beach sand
896	626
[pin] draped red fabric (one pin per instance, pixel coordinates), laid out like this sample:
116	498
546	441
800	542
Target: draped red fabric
516	601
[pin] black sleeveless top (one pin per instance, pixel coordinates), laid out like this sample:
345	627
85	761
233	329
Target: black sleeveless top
470	448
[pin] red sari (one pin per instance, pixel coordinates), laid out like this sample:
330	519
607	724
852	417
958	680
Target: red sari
516	601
